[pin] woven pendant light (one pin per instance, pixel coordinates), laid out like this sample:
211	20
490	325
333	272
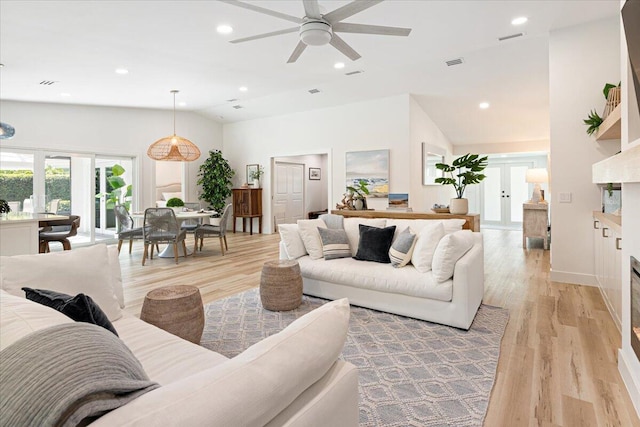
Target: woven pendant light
174	148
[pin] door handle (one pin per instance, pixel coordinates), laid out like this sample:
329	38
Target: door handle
507	196
604	232
618	240
596	224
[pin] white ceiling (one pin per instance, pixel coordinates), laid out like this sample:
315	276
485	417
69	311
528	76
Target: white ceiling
174	45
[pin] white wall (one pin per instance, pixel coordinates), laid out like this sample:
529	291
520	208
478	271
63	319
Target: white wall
111	131
581	60
423	129
371	125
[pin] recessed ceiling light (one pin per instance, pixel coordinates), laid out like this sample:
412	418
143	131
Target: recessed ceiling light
122	71
65	94
243	89
484	105
224	29
519	20
338	65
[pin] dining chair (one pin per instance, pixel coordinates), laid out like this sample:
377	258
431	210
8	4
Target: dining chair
59	231
208	230
161	226
125	228
190	225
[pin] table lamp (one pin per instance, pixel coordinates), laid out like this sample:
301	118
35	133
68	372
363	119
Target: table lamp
537	177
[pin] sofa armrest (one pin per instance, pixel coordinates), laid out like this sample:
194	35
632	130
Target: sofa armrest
468	280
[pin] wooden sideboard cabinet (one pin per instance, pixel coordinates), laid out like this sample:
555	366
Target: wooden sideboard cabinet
535	222
247	203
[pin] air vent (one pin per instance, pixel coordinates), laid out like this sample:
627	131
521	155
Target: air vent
47	82
512	36
314	91
351	73
237	107
232	100
456	61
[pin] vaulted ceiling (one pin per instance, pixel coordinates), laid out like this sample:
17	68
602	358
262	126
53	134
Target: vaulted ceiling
169	45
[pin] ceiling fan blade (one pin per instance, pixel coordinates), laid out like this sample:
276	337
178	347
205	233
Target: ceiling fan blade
263	10
311	9
344	27
261	36
297	52
349	10
343	47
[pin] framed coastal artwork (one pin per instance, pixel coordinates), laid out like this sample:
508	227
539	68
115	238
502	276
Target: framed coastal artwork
371	167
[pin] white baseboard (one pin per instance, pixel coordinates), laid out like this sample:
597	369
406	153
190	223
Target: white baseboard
631	381
574	278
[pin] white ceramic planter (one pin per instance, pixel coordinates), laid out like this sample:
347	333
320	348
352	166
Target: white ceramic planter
459	206
256	183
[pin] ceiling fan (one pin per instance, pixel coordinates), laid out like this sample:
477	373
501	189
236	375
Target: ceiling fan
316	29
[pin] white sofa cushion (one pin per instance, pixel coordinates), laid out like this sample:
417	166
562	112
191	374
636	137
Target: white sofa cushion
19	317
252	388
376	276
450	249
292	241
308	229
450	225
402	248
426	244
116	274
352	227
82	270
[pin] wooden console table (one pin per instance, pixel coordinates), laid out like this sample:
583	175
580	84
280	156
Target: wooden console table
472	220
247	203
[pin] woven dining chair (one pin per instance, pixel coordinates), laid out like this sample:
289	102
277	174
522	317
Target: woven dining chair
161	226
125	228
191	224
208	230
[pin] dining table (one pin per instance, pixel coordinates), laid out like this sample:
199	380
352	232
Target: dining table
180	217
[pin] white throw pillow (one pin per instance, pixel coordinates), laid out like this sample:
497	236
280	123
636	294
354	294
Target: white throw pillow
167	196
426	245
116	274
450	249
253	387
82	270
308	229
292	241
352	227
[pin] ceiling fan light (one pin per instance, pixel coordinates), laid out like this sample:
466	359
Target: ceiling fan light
315	33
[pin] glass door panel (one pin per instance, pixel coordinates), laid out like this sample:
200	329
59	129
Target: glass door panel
57	184
113	186
492	187
518	191
503	192
16	180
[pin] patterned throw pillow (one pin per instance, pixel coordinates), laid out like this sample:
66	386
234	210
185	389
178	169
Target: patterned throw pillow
335	243
402	249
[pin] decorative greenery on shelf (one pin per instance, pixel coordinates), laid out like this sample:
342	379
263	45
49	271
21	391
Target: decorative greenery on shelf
257	174
215	176
175	202
4	206
359	190
593	121
467	168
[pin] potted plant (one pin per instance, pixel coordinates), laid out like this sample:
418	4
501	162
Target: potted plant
594	120
359	192
4	208
462	172
176	204
215	176
256	175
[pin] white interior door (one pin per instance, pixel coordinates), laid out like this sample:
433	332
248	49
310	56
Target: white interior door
288	193
503	192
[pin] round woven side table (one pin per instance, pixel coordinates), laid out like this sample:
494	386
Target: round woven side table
177	310
281	285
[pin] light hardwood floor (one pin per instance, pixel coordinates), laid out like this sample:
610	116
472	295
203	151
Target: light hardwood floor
558	360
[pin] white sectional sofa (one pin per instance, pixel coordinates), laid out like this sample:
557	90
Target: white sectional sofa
293	378
404	291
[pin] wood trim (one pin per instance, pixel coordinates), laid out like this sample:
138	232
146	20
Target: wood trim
472	220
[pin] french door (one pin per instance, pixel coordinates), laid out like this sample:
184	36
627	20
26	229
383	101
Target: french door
502	194
288	193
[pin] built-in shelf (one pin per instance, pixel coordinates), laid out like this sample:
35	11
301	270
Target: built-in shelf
613	221
611	126
623	167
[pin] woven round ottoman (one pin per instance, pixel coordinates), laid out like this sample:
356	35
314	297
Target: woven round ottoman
177	310
281	285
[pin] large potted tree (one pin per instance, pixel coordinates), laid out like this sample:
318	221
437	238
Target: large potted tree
462	172
215	176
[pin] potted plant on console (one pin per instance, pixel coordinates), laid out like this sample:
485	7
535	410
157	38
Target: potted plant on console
256	175
462	172
359	193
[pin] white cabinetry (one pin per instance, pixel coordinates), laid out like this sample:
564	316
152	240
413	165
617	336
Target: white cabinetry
607	239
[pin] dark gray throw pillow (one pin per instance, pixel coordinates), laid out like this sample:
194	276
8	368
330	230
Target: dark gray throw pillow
375	243
80	308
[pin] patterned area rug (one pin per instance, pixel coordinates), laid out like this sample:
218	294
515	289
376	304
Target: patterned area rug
411	372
